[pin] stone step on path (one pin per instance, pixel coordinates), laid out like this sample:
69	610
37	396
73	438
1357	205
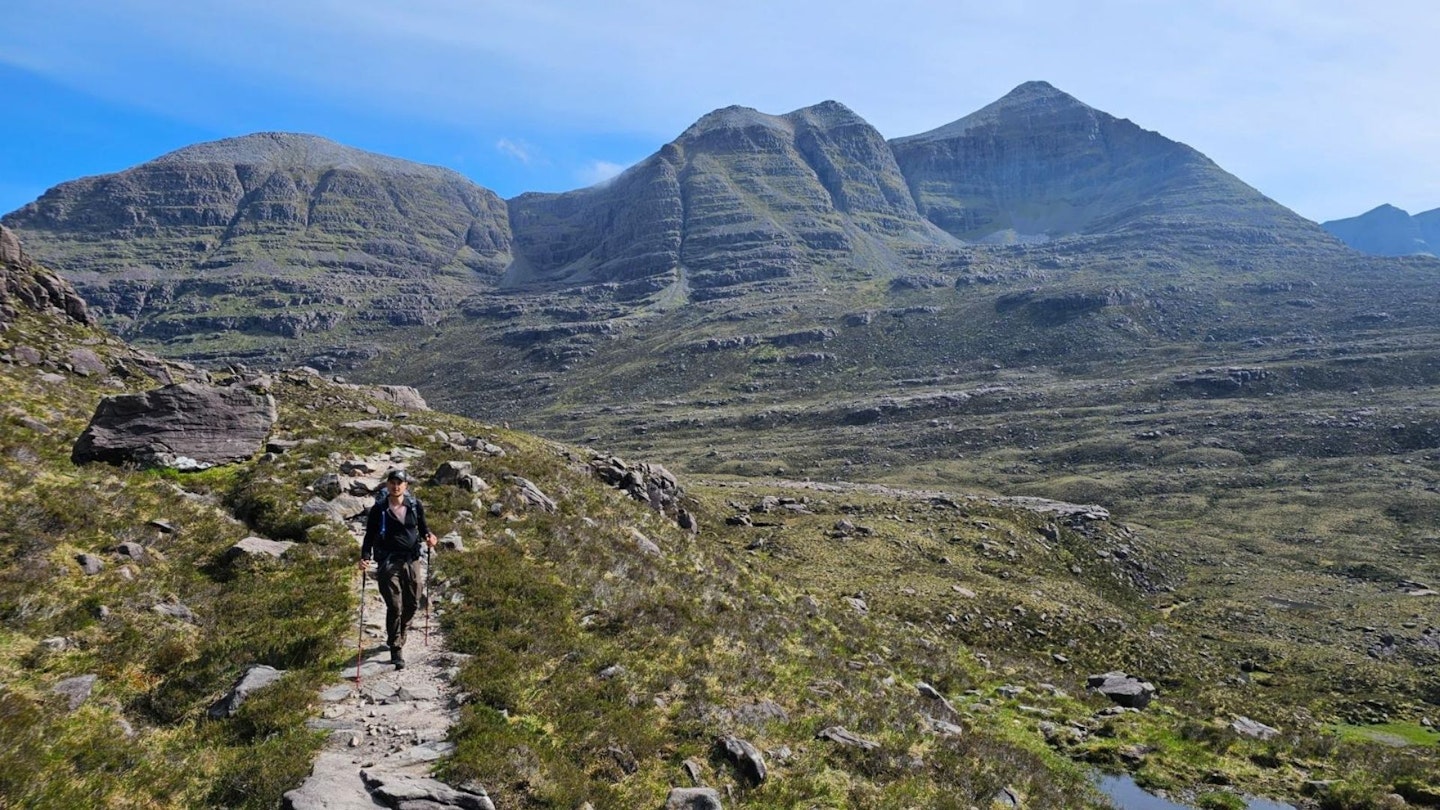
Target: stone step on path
387	731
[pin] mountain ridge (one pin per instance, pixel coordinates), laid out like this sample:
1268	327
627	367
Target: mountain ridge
1386	230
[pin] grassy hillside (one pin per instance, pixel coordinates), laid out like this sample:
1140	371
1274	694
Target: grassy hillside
601	668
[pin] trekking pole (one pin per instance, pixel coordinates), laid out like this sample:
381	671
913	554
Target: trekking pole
360	636
429	559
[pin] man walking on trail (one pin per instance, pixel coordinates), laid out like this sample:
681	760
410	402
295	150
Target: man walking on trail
393	539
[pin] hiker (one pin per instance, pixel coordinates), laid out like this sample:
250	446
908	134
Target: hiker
393	538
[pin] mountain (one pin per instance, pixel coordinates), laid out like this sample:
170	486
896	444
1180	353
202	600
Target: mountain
269	235
740	198
1038	164
1389	231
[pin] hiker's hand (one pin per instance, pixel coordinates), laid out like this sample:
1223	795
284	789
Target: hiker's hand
430	539
364	564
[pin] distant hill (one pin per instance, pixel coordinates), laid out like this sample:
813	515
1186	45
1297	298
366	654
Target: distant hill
1389	231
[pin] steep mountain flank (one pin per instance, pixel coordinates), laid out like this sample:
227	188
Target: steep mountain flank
1039	164
739	198
1389	231
271	236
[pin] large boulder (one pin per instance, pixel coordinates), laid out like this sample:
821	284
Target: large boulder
1123	689
400	395
186	426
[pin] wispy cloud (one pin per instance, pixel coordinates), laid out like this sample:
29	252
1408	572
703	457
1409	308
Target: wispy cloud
517	150
598	171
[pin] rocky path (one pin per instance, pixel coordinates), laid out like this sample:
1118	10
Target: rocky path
388	730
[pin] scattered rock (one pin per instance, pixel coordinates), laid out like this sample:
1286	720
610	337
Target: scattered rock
928	691
130	550
175	610
327	486
405	793
255	678
693	771
402	396
693	798
745	757
531	495
258	547
838	734
86	363
1246	727
759	713
450	473
645	544
76	690
1006	798
90	564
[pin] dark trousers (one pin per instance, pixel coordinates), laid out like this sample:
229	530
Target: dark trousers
402	586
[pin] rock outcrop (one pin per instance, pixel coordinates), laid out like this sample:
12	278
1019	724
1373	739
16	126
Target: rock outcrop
24	284
186	426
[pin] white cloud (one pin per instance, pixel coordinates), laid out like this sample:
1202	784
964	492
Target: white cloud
516	149
598	171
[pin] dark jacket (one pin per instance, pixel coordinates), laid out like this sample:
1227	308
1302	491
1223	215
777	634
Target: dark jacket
387	538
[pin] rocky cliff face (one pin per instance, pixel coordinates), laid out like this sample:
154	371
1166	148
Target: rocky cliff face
271	234
739	198
1039	164
1390	231
23	284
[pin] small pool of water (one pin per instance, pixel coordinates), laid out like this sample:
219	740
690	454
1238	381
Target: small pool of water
1126	795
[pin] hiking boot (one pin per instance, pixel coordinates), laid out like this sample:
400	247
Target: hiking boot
397	658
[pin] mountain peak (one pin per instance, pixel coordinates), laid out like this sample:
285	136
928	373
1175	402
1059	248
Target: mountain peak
1387	210
297	149
1029	100
734	117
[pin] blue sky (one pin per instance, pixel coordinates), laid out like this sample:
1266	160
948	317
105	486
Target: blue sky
1329	106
